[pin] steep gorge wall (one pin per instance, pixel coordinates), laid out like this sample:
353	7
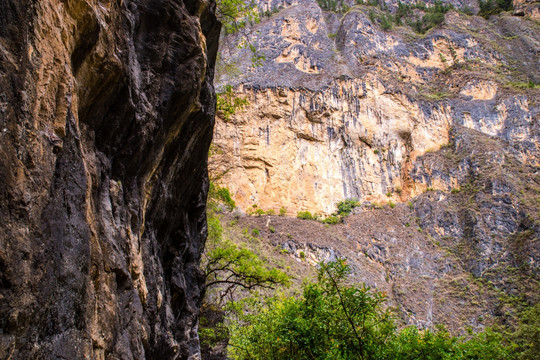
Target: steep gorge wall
341	109
106	115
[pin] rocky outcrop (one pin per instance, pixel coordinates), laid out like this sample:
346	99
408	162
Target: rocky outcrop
436	134
527	8
341	108
106	115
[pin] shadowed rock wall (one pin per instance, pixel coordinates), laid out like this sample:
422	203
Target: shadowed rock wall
106	115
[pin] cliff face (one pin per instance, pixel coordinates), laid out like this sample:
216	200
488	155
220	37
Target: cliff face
341	108
106	119
436	134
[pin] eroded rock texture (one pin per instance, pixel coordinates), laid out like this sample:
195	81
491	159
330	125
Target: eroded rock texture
437	135
106	115
341	108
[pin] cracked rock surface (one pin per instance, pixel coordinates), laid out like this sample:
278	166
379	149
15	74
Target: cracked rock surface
106	115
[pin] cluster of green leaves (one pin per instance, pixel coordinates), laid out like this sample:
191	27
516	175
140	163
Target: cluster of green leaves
217	194
228	268
333	320
433	16
234	267
493	7
332	220
527	336
236	14
306	215
334	5
228	103
345	207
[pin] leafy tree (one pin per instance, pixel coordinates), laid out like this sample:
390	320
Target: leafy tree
228	267
333	320
330	321
231	267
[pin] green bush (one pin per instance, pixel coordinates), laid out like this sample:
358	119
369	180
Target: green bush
306	215
282	211
228	103
345	207
332	220
493	7
217	194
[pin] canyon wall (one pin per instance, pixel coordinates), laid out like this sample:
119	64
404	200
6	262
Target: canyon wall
341	108
106	115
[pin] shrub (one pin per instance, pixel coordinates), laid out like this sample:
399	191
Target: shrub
255	232
282	211
220	194
345	207
386	22
493	7
332	220
306	215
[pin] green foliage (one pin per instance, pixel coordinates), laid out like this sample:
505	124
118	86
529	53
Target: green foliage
217	194
333	320
345	207
228	103
527	336
236	14
428	21
282	211
255	232
306	215
433	15
524	85
391	204
332	220
334	5
371	15
493	7
259	212
230	267
330	321
386	21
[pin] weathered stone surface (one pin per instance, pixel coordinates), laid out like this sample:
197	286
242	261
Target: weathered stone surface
527	8
106	115
342	112
438	135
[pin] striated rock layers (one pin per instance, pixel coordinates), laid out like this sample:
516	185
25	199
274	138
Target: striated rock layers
106	115
341	108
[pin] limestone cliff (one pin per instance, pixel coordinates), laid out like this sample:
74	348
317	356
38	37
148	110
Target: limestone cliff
106	115
341	108
436	133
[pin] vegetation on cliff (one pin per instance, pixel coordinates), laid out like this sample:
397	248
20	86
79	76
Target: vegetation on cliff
335	320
